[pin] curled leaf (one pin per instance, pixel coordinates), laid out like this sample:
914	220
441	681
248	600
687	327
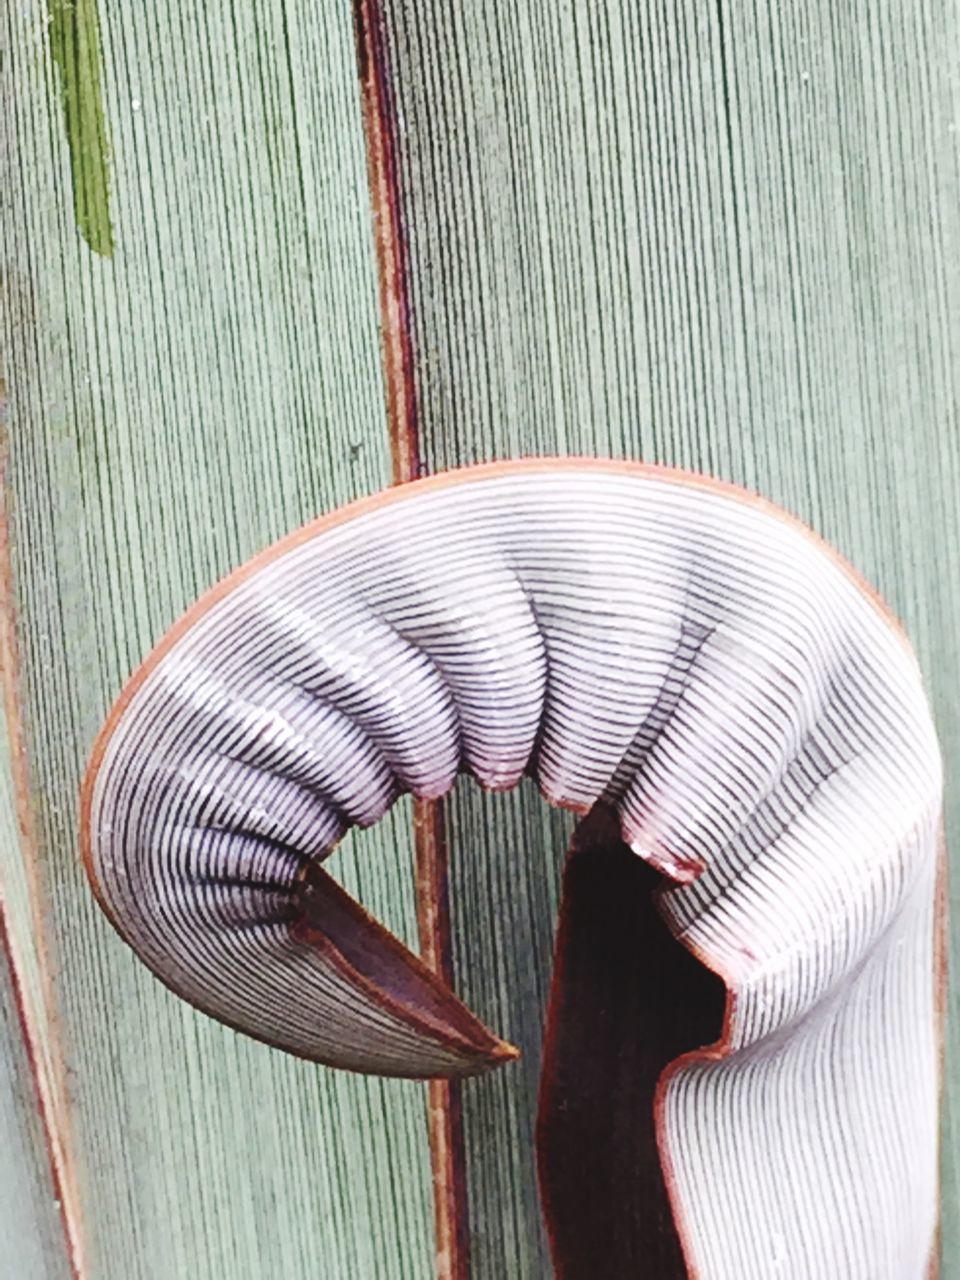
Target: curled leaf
672	648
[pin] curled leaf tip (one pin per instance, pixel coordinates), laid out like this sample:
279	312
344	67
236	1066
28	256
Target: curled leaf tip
386	977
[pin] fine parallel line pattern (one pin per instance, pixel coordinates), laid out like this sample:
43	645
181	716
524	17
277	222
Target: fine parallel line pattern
719	236
808	1135
173	407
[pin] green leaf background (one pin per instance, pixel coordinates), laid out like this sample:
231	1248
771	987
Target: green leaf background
722	237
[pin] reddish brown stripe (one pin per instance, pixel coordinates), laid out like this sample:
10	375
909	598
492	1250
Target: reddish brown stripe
447	1153
43	1103
445	1122
51	1093
390	242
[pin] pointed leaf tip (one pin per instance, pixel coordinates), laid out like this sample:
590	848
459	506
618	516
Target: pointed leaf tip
386	978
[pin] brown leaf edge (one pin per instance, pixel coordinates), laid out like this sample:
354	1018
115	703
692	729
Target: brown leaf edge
48	1074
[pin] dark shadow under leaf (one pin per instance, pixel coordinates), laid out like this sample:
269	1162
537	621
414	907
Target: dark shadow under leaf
627	998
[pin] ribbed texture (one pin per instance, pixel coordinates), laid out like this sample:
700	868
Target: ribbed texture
31	1233
172	409
705	665
721	236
